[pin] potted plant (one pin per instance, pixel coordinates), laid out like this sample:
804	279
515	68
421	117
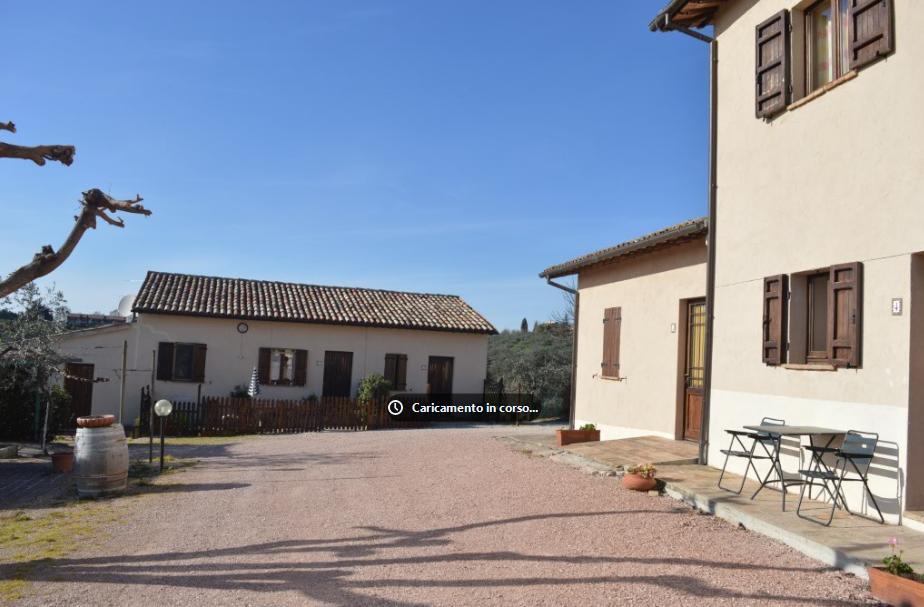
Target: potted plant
640	478
62	461
585	434
896	582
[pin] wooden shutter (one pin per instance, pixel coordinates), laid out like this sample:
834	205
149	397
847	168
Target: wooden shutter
391	369
199	362
165	361
845	303
401	372
870	26
263	365
776	294
301	367
774	79
612	328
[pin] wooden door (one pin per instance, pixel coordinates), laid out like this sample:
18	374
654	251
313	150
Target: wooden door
78	382
439	375
694	369
338	373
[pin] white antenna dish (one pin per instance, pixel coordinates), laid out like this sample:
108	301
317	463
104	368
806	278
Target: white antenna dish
125	305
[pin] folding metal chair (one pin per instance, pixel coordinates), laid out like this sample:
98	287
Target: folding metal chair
768	443
857	450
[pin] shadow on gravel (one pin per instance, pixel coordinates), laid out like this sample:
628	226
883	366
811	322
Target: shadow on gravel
281	567
150	488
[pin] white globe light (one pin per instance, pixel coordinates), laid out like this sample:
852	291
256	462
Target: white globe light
163	408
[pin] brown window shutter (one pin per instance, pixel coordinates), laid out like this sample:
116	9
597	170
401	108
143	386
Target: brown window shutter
401	372
263	365
199	362
776	293
165	361
774	86
612	328
845	303
870	26
391	366
301	367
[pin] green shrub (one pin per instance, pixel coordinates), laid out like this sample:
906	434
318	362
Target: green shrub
373	386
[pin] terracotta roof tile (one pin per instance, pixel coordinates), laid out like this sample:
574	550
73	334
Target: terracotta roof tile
212	296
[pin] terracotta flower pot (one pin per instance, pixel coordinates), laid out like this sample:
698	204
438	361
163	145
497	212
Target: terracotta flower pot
96	421
637	482
894	589
63	461
567	437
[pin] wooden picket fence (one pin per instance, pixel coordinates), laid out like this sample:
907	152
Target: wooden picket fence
226	415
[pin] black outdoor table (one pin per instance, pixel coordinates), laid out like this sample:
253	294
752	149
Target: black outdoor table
777	433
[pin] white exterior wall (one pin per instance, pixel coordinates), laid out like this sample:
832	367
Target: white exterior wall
836	180
232	356
650	289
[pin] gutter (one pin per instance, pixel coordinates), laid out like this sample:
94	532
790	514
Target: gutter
574	346
663	23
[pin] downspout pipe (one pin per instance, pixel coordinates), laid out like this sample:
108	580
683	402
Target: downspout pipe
711	234
574	345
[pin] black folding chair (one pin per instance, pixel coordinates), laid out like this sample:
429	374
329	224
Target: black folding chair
768	443
857	450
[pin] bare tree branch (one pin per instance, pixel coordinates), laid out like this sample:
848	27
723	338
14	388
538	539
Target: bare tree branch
6	351
94	204
40	153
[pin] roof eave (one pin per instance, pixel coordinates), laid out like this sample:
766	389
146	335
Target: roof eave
687	233
667	20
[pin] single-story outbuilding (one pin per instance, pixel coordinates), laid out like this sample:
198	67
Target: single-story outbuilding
640	334
203	335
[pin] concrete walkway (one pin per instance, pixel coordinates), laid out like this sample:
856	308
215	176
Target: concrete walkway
851	542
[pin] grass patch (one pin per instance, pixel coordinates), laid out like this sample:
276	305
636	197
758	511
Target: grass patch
27	540
30	539
141	473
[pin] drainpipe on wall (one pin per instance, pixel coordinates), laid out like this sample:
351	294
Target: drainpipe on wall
711	235
574	345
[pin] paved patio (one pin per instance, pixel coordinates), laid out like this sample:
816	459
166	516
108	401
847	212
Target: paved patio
28	480
624	452
850	543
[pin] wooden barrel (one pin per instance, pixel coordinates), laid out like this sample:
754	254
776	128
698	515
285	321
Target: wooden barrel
101	460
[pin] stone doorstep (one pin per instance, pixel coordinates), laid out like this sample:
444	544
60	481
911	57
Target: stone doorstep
675	489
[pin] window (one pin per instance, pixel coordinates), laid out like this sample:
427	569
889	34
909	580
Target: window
817	317
396	370
827	42
181	361
283	366
612	329
800	52
814	317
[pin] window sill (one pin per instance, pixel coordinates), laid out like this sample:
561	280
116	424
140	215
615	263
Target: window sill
810	367
611	378
818	93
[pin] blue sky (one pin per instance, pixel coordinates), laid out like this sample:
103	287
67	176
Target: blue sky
452	147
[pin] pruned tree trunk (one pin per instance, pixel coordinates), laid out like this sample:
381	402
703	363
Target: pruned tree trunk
94	204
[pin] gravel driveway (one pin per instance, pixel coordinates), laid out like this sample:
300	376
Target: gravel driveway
421	517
